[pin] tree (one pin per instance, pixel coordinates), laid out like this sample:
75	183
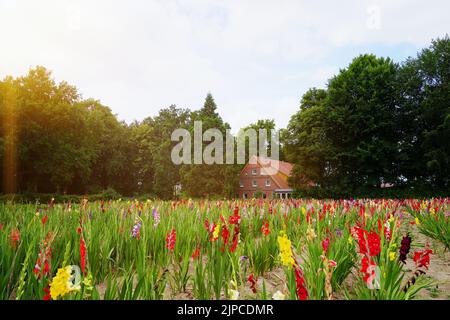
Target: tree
61	143
108	143
50	140
424	116
345	138
205	180
166	173
8	135
306	143
268	126
361	124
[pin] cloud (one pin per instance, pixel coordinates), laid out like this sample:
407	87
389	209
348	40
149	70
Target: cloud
256	57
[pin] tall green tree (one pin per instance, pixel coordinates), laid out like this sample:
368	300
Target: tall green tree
424	116
166	174
267	126
51	145
361	107
305	141
206	180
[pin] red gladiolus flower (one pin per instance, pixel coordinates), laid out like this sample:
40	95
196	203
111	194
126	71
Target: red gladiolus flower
265	229
380	226
374	244
235	239
369	243
207	225
362	210
14	238
325	244
359	234
79	230
225	235
83	255
44	219
234	219
171	239
1	227
300	282
38	267
47	295
422	258
42	266
234	244
365	263
196	254
252	282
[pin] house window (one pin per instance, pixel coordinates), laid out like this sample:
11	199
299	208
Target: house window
254	183
267	183
241	184
254	172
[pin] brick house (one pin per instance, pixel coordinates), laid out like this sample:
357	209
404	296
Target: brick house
265	177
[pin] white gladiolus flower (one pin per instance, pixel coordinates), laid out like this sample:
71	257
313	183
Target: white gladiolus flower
234	294
278	295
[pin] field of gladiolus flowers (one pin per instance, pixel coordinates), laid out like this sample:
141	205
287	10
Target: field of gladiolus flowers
243	249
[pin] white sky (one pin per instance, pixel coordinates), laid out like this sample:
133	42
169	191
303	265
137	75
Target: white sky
256	57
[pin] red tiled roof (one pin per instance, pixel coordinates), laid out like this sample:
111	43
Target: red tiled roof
279	171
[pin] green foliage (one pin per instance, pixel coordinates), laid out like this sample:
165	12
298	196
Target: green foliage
377	123
424	91
208	180
434	225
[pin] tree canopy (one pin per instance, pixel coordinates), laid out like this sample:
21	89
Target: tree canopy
376	124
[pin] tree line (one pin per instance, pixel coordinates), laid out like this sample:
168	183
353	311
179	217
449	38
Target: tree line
376	124
53	141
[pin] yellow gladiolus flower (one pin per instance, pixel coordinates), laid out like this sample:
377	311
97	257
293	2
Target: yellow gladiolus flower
392	256
417	221
285	250
62	284
216	231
